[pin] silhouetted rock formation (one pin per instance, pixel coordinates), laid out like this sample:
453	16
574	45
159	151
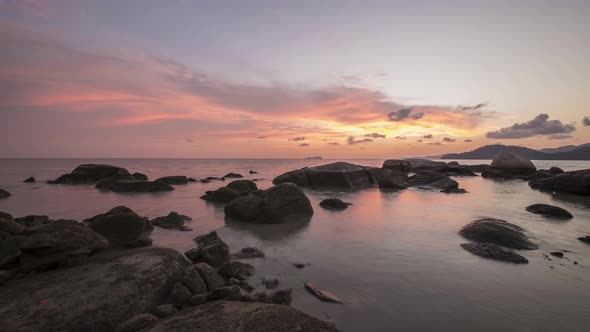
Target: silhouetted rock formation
575	182
133	186
509	165
174	179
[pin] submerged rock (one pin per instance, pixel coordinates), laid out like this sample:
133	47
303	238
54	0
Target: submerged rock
495	252
4	194
172	221
30	180
174	179
249	252
323	295
549	211
211	250
232	175
498	232
89	173
575	182
133	186
122	227
334	204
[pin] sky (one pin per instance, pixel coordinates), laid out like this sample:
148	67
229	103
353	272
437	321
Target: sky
290	79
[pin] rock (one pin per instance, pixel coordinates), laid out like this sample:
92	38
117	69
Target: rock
199	299
211	250
509	165
282	296
242	186
478	168
164	310
180	296
253	172
299	265
334	204
90	173
193	281
557	254
424	165
204	180
270	282
30	180
549	211
133	186
575	182
434	180
11	227
9	251
210	276
389	180
6	275
6	215
140	176
246	286
281	203
110	289
495	252
137	323
233	281
192	180
174	179
585	239
238	270
122	227
498	232
555	170
323	295
454	191
233	175
221	195
249	252
59	243
239	316
4	194
229	293
338	175
402	166
171	221
32	220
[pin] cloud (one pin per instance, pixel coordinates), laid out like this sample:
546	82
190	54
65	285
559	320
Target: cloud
404	114
560	136
400	137
351	140
586	121
304	144
540	125
473	107
468	140
448	139
428	136
297	139
375	135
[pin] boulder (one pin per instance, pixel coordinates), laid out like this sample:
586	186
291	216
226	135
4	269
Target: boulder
11	227
232	175
549	211
90	173
338	175
229	293
498	232
4	194
133	186
478	168
434	180
334	204
30	180
174	179
32	220
9	252
5	215
210	276
242	186
140	176
388	179
509	165
164	310
122	227
210	249
495	252
397	165
98	296
180	296
585	239
280	203
249	252
424	165
555	170
192	280
239	316
172	221
575	182
238	270
221	195
137	323
323	295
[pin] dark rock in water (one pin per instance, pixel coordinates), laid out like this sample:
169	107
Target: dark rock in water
233	175
210	276
299	265
555	170
204	180
11	227
454	191
133	186
249	252
575	182
334	204
402	166
229	293
509	165
116	286
171	221
192	180
585	239
238	270
180	296
242	186
498	232
549	211
211	250
434	180
478	168
221	195
495	252
90	173
6	215
424	165
253	172
323	295
30	180
32	221
240	316
137	323
557	254
339	175
4	194
280	203
270	283
140	176
174	179
122	227
164	310
388	179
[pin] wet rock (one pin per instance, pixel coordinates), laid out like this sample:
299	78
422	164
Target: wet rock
221	195
240	316
509	165
585	239
434	180
116	286
179	296
133	186
192	180
402	166
498	232
229	293
210	276
172	221
89	173
6	215
140	176
242	186
495	252
557	254
248	253
4	194
11	227
32	220
334	204
238	270
164	310
454	191
323	295
549	211
233	175
575	182
211	250
299	265
137	323
174	179
338	175
478	168
30	180
122	227
193	281
280	203
555	170
253	172
270	282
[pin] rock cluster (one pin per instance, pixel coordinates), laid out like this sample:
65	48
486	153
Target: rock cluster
90	173
574	182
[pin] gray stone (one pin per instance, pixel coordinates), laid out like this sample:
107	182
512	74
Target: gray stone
495	252
210	276
549	211
498	232
122	227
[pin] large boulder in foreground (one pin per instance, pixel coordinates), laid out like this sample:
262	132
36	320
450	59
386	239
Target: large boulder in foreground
509	165
338	175
280	203
97	296
89	173
575	182
495	252
123	186
500	232
122	227
240	316
550	211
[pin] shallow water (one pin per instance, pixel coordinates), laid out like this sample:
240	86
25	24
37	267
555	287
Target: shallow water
394	258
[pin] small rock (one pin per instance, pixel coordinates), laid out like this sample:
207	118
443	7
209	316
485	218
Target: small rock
32	220
282	296
495	252
323	295
549	211
233	281
199	299
171	221
557	254
137	323
30	180
270	283
210	275
139	176
238	270
192	280
299	265
454	191
174	179
334	204
211	250
192	180
253	172
246	286
248	253
4	194
233	175
499	232
221	195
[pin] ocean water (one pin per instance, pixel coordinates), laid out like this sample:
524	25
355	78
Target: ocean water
393	258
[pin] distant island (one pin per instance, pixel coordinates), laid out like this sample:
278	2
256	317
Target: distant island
314	158
570	152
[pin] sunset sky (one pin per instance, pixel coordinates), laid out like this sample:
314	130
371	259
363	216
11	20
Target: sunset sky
290	79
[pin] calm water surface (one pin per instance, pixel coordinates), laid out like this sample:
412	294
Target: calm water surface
394	258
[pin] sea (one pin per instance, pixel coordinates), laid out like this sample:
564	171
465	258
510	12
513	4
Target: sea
393	258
